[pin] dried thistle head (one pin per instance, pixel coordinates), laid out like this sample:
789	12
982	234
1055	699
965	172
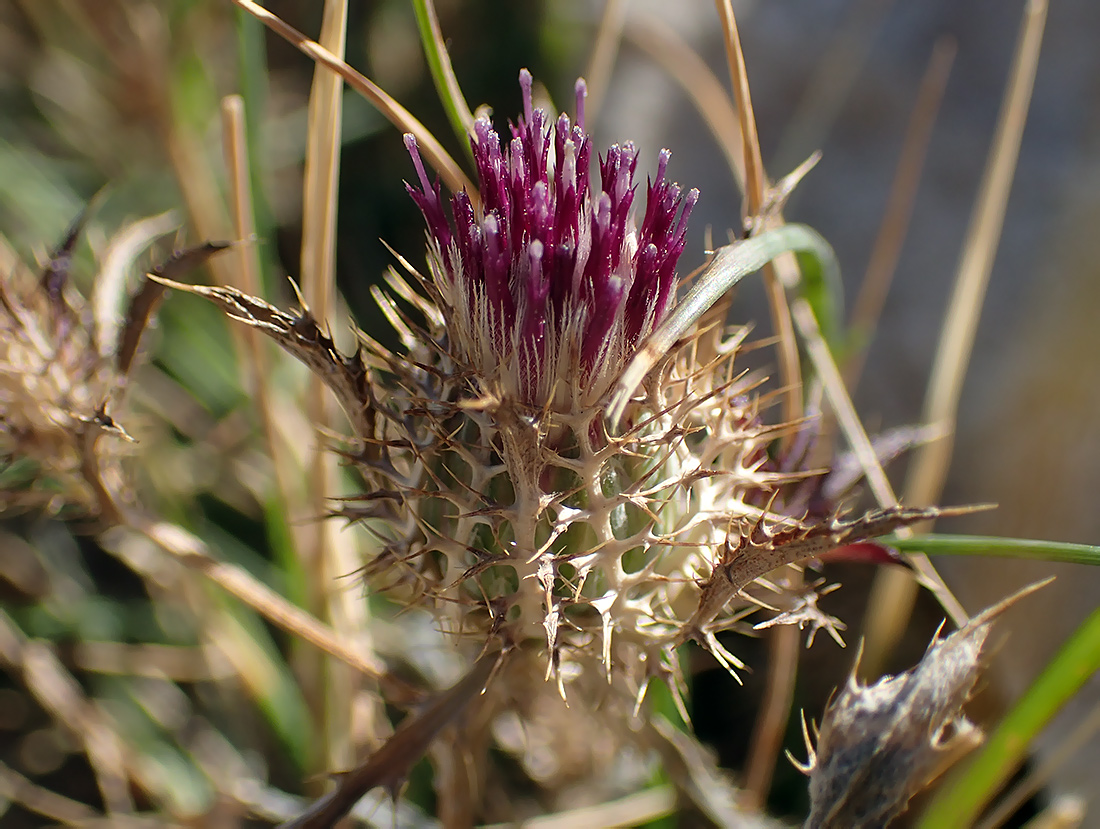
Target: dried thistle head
55	382
64	363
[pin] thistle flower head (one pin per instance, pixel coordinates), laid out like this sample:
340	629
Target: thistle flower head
550	282
499	500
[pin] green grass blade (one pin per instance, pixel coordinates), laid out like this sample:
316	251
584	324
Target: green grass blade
824	290
443	74
960	802
974	545
263	672
253	80
731	264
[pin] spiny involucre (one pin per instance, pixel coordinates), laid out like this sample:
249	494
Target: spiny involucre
502	500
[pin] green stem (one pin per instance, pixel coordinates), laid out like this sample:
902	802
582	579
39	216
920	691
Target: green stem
446	84
253	79
973	545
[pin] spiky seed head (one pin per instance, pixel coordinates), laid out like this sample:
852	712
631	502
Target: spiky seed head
55	380
64	364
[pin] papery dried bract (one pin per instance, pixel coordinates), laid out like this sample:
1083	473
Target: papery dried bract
880	744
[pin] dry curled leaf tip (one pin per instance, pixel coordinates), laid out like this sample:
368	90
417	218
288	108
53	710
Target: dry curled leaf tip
880	744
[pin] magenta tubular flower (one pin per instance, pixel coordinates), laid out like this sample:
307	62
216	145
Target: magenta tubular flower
549	284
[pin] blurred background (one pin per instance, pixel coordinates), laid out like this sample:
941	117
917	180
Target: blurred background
124	94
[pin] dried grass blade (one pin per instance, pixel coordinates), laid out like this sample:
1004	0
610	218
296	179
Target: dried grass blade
856	435
683	64
755	178
784	644
247	269
390	765
255	362
396	114
756	187
957	339
32	797
193	553
893	594
899	206
322	168
327	555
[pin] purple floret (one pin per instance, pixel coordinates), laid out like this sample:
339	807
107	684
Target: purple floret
545	246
